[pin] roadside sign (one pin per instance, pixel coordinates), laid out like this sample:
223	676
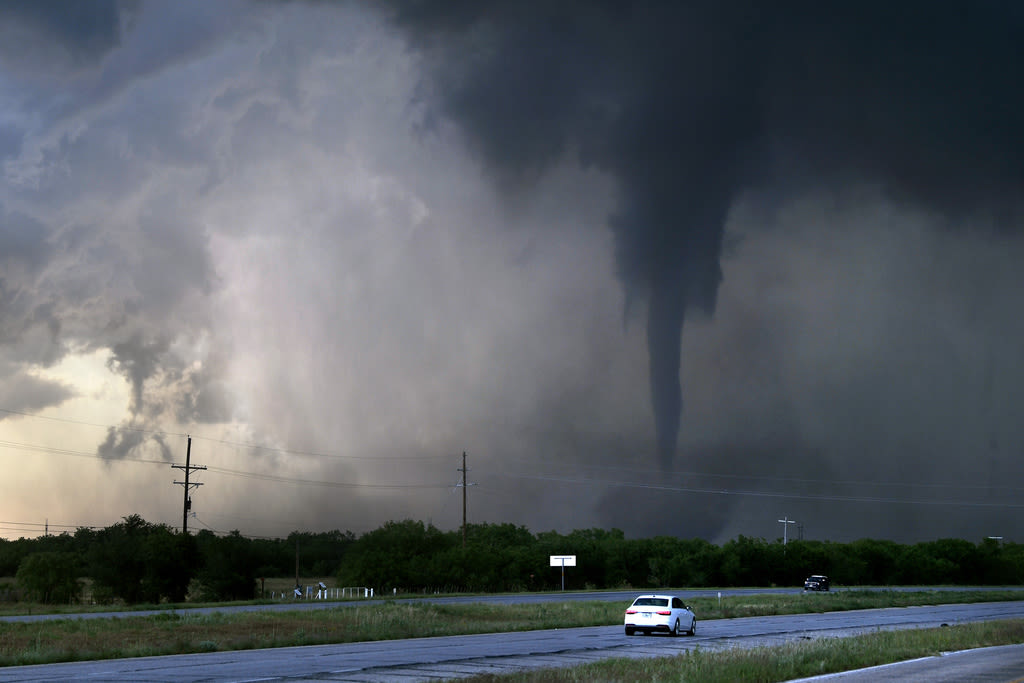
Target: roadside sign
563	561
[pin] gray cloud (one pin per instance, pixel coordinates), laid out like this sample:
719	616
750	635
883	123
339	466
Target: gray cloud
133	440
294	225
112	265
60	35
138	359
24	393
28	326
23	244
688	105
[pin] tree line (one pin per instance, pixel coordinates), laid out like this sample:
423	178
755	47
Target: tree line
135	562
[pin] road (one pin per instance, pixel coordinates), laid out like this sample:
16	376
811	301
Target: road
501	599
1004	664
424	659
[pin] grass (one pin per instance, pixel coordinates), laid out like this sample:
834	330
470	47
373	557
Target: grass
61	640
782	663
275	586
804	603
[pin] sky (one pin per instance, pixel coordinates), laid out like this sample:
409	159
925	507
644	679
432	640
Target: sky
685	268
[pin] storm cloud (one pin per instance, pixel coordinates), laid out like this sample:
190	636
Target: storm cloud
341	243
689	105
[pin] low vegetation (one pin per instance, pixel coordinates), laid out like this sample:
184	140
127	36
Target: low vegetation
782	663
177	632
136	562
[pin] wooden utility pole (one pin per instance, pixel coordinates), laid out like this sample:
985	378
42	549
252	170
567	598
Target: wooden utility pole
465	486
187	467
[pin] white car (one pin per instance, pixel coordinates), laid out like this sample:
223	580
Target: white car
650	613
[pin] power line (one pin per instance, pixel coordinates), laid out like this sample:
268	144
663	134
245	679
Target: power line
218	532
78	454
314	454
39	526
83	422
765	494
260	520
225	442
317	482
222	470
588	481
960	486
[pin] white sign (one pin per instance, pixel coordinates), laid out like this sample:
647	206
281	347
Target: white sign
563	560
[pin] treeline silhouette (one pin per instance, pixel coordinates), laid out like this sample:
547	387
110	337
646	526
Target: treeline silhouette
135	561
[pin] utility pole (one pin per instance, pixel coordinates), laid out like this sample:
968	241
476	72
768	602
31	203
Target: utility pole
785	529
464	486
187	467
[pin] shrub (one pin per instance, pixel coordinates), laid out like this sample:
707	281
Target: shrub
50	577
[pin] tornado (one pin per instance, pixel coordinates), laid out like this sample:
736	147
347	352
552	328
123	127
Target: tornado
664	339
690	104
630	89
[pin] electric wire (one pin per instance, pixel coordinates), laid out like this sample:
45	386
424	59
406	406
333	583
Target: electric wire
764	494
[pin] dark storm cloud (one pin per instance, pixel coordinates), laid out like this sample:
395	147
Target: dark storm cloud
10	140
923	98
69	69
692	105
21	392
96	136
126	440
60	33
27	322
138	359
263	215
23	242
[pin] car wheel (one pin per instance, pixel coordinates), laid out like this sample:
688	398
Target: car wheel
677	630
629	631
693	627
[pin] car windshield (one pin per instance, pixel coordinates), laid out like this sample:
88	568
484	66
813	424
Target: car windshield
650	602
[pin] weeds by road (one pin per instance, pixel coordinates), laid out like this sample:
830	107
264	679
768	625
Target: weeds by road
783	663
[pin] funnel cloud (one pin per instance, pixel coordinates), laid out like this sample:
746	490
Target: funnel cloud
692	105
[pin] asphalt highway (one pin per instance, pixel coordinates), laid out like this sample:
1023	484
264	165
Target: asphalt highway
431	659
1003	664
